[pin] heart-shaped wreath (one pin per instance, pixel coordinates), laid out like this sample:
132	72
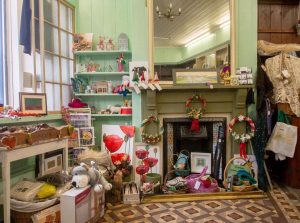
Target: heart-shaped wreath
195	113
244	137
149	138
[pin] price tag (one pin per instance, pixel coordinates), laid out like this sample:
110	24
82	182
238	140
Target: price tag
197	185
151	87
158	87
136	89
143	85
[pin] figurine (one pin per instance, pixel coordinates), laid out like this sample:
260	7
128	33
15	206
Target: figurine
110	45
101	44
121	62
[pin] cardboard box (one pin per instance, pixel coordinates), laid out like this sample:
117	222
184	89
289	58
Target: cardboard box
81	205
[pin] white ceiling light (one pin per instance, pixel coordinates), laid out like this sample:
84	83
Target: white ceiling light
197	39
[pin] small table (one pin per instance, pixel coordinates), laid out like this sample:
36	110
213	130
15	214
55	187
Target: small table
8	156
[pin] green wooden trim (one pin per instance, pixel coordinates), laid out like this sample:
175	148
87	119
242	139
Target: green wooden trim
90	53
101	73
100	95
203	86
112	115
46	118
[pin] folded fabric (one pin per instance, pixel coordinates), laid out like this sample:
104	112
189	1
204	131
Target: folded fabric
246	176
233	169
176	182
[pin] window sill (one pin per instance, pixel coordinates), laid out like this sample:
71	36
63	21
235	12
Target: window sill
30	119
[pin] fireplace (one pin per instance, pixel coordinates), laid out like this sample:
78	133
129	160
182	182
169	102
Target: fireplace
178	136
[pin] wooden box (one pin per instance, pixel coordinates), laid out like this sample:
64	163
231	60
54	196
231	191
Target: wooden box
131	194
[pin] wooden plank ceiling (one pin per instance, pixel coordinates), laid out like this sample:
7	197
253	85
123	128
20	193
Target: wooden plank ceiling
197	16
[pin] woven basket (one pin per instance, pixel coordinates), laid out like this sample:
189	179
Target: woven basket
22	217
169	176
242	188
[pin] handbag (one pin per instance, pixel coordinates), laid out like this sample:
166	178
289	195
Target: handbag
283	138
195	184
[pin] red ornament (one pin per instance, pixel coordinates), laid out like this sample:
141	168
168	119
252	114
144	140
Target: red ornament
150	161
142	169
112	142
128	130
141	154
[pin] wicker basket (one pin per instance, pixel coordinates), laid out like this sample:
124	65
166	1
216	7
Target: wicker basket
21	217
243	188
169	176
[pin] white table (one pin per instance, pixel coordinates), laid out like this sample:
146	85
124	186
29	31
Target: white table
8	156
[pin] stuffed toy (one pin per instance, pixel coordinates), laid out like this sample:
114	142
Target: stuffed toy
84	175
77	103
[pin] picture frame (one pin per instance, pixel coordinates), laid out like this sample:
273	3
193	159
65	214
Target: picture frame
53	164
33	103
199	161
74	139
194	76
86	136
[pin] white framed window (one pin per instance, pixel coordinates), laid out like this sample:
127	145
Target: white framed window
49	67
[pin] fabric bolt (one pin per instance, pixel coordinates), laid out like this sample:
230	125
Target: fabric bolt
286	87
25	28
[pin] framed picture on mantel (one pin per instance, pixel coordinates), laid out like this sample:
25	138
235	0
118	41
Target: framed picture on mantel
192	76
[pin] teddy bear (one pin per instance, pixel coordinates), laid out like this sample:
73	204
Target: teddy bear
84	175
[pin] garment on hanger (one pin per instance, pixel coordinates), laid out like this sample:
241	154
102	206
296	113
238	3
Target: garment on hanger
284	73
25	29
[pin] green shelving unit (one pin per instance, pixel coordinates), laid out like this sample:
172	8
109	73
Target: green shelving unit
93	52
99	74
101	101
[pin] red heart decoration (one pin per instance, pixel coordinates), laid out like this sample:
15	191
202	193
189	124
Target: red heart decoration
128	130
142	169
150	161
9	141
141	154
112	142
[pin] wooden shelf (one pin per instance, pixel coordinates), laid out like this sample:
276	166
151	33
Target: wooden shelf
202	86
22	120
95	53
100	95
111	115
101	73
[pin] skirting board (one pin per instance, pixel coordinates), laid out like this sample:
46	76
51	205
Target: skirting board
203	196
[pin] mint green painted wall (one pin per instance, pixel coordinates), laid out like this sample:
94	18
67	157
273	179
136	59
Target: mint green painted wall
246	34
173	55
167	55
108	18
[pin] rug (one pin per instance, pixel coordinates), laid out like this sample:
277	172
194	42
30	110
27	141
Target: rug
280	206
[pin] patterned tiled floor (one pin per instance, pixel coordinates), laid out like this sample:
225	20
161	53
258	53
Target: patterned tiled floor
282	205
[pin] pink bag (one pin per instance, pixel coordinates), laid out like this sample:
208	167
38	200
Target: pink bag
195	185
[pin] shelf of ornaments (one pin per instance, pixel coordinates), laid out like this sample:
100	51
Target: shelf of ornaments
99	74
112	115
99	53
101	94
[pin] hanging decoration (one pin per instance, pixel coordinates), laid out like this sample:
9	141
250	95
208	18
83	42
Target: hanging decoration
151	138
244	137
195	113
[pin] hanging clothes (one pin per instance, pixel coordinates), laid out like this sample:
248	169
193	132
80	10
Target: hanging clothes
25	28
284	73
